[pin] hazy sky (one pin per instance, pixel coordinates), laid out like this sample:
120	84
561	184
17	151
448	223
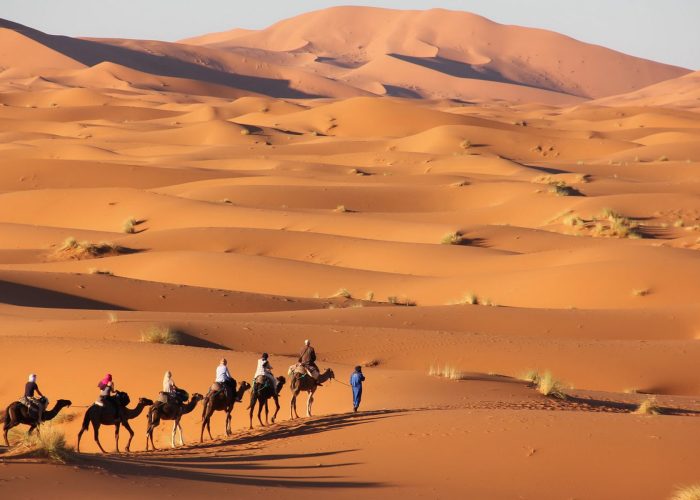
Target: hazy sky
662	30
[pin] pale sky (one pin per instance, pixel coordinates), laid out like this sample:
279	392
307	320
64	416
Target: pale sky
662	30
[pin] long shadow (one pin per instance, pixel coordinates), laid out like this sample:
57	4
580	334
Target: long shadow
90	53
628	407
17	294
191	465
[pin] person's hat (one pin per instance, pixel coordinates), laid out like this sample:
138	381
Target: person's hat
307	342
265	355
32	377
358	368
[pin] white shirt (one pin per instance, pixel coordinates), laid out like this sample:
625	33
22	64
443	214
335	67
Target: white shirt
168	385
261	368
222	374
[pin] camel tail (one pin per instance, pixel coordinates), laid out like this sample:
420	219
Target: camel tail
5	417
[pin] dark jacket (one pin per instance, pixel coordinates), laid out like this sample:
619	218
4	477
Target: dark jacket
29	389
307	356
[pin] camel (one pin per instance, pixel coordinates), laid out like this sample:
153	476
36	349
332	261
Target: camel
109	415
260	395
170	411
308	384
17	413
223	401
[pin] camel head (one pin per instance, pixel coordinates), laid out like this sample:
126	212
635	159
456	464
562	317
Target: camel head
330	373
62	403
280	383
244	386
145	402
197	397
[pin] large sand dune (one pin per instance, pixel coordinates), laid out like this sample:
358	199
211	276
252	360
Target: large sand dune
496	220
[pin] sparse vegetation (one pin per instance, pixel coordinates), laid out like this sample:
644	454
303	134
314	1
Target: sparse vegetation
400	301
160	335
94	270
73	249
371	363
647	407
531	376
112	318
465	144
50	444
369	296
561	188
573	220
452	239
245	131
663	158
446	371
641	292
691	492
129	225
549	386
340	209
343	292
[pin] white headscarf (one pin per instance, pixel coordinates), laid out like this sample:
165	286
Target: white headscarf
32	377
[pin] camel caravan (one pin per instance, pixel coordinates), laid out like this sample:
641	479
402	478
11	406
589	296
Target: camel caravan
112	406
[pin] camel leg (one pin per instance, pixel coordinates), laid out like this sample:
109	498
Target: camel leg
260	408
116	434
131	435
267	414
172	438
209	429
179	428
228	423
253	400
96	428
309	403
292	405
277	409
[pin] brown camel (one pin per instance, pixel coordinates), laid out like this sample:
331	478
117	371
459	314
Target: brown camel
223	401
111	415
261	394
17	413
308	384
170	411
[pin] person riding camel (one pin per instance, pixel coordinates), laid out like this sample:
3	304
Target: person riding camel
171	392
223	379
265	370
29	400
106	386
307	359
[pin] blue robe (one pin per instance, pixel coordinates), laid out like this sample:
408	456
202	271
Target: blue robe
356	380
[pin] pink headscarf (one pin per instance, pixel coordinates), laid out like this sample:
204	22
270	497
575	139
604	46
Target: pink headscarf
103	383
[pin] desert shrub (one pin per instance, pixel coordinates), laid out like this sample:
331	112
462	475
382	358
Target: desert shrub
641	292
573	220
94	270
73	249
369	297
452	239
465	144
112	318
446	371
343	292
50	444
691	492
547	385
245	131
561	188
129	225
647	407
160	335
531	376
340	209
400	301
663	158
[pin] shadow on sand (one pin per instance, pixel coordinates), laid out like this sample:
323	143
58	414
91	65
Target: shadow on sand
239	461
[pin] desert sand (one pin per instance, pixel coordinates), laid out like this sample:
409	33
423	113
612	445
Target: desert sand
485	199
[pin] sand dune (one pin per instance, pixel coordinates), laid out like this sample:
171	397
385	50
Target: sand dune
480	199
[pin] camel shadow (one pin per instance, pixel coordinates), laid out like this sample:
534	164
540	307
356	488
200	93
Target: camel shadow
238	461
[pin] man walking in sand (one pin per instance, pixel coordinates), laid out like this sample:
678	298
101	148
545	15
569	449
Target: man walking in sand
356	380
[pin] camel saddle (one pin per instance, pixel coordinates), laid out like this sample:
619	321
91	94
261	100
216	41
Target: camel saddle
300	370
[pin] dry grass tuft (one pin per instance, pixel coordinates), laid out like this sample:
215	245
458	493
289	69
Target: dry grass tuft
50	444
77	250
691	492
160	335
452	239
547	385
340	209
446	371
401	301
342	292
112	318
129	225
641	292
647	407
94	270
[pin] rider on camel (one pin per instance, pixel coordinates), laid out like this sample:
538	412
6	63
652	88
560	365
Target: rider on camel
29	400
307	359
265	369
